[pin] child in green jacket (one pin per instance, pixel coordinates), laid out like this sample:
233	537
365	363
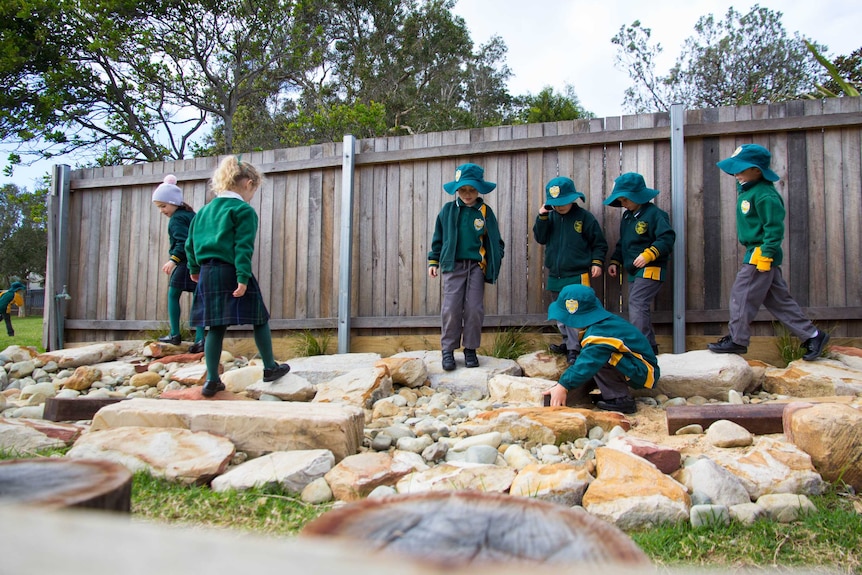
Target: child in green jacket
645	244
7	298
575	247
219	250
467	249
760	228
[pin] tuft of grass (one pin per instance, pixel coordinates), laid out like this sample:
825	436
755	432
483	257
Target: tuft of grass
789	347
28	333
510	343
830	538
165	329
265	510
308	343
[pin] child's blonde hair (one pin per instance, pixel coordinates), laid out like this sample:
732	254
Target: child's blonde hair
230	171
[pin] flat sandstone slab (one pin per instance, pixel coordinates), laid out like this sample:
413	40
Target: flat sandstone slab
256	427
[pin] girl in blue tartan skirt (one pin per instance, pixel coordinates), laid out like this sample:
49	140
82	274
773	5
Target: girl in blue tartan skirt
219	250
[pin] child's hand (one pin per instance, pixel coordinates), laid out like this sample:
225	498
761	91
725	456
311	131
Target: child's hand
195	277
612	270
169	267
545	209
558	395
640	261
595	271
432	271
240	290
764	264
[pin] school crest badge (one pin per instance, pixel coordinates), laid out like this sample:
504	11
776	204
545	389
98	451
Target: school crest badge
641	228
736	152
579	226
744	206
478	224
554	191
572	305
457	175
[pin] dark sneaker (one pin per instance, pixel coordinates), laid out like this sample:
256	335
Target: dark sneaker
211	388
275	373
470	358
619	404
815	345
448	360
197	347
571	357
558	348
726	345
171	339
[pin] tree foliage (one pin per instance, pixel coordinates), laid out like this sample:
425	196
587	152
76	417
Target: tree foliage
740	59
548	106
23	232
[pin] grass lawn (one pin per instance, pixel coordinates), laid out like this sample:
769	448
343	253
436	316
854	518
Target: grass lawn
28	331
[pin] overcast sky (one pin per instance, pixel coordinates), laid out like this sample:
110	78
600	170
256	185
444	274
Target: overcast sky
559	42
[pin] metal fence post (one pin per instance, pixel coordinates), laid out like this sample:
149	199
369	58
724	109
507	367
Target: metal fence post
678	213
57	264
346	250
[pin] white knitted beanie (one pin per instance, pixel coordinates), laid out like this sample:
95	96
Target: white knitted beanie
168	192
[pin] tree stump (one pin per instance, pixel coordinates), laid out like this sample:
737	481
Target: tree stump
458	528
56	483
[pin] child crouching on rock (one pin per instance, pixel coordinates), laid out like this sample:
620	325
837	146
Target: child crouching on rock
613	352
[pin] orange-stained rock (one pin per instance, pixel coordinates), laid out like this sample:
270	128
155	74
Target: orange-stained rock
832	435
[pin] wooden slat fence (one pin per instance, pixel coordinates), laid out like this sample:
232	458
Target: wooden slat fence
119	240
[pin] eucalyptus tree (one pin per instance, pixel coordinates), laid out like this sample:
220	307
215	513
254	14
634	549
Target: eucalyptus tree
740	59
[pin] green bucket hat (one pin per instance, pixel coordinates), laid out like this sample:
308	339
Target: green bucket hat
561	191
469	175
577	306
749	156
16	286
630	186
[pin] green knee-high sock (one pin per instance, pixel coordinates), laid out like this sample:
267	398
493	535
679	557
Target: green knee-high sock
263	341
212	351
174	309
200	332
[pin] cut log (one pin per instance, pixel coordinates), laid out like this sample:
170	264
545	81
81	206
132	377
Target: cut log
75	409
57	483
761	418
479	529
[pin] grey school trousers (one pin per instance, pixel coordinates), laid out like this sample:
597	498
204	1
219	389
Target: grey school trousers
610	381
462	310
753	288
642	292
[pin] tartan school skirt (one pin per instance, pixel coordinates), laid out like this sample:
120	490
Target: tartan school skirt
181	279
214	303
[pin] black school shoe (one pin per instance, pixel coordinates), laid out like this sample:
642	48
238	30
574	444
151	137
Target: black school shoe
212	387
558	348
571	357
726	345
171	339
275	373
619	404
815	345
448	360
470	358
197	347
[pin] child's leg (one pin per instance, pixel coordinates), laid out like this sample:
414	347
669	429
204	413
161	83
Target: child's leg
746	296
474	307
452	306
8	319
212	351
263	341
174	309
200	332
642	292
781	304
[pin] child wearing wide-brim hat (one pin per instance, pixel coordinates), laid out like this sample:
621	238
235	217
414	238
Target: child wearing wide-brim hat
644	248
760	228
467	249
613	352
575	247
